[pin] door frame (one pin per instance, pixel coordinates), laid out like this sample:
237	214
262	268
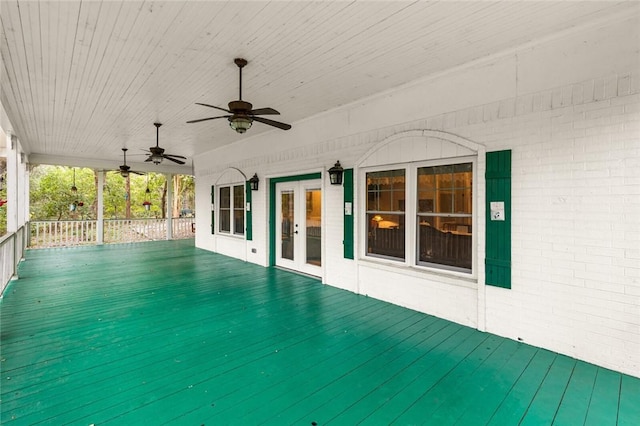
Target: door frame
272	207
303	245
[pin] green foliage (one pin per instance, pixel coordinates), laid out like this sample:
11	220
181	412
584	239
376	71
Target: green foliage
51	194
184	189
115	195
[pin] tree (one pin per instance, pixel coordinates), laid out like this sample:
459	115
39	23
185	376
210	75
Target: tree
183	191
51	194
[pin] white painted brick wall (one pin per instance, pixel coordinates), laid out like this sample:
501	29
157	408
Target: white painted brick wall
576	229
570	112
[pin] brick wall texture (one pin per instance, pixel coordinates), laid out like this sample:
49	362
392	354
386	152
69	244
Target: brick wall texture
575	194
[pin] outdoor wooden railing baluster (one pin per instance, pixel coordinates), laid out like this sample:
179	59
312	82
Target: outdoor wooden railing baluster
69	233
12	247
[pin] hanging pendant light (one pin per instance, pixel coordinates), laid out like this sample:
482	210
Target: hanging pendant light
146	203
74	189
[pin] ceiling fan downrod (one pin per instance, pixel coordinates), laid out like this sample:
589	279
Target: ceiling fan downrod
157	133
241	64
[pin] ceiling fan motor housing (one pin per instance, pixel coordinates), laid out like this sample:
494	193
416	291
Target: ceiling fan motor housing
238	107
242	112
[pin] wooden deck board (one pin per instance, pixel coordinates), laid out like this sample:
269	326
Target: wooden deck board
545	403
163	333
629	409
575	402
488	395
603	406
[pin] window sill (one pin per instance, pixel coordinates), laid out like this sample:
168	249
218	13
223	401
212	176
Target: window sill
234	236
459	279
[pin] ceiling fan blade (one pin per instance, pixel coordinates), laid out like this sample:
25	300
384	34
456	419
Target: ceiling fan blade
137	173
174	160
174	156
264	111
210	118
273	123
213	106
147	160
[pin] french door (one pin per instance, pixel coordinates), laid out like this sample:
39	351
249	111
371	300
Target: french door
298	226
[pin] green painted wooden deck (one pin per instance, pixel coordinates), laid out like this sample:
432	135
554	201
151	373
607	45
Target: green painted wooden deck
164	333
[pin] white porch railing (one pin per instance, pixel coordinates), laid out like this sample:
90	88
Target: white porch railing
68	233
12	247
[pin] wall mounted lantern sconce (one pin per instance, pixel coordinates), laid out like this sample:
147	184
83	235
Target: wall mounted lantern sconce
254	181
335	174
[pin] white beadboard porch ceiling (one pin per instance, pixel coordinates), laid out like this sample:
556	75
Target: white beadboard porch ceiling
82	79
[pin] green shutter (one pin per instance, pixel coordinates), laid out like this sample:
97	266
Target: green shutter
248	215
213	210
498	232
347	181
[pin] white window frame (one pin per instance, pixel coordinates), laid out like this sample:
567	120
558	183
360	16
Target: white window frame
232	208
411	214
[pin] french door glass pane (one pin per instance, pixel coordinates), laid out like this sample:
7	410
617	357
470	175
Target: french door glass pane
314	231
287	224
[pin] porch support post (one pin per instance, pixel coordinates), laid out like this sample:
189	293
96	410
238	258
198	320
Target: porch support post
12	183
23	215
169	178
100	212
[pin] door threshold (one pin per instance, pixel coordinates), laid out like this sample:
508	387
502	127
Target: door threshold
298	272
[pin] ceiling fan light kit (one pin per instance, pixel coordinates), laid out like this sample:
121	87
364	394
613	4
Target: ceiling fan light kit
242	115
157	154
124	169
240	123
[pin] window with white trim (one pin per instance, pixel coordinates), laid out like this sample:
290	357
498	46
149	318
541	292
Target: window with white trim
421	214
231	210
386	213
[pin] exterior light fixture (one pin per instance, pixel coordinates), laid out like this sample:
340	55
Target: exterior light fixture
147	203
240	123
335	174
156	159
254	181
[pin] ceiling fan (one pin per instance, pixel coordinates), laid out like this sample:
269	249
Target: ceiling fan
242	114
157	154
124	169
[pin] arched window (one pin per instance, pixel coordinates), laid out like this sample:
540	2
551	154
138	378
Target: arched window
419	201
